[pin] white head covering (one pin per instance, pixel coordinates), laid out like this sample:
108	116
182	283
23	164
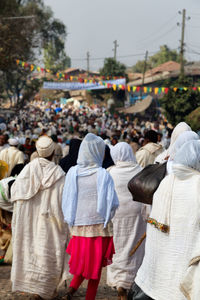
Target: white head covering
180	128
91	152
182	138
45	146
122	152
13	142
189	155
90	158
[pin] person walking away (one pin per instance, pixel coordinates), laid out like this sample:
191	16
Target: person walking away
89	202
58	154
12	156
147	154
39	232
173	228
71	158
128	222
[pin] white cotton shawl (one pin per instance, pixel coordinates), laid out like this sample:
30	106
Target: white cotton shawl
180	128
90	158
176	203
122	152
39	174
128	223
184	137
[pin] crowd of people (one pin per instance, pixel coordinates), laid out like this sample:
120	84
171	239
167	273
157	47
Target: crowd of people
66	210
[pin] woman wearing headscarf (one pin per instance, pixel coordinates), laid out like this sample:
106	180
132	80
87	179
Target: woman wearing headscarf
70	160
89	202
178	129
173	228
128	223
184	137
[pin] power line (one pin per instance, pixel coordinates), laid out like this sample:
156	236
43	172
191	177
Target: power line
121	56
15	18
160	28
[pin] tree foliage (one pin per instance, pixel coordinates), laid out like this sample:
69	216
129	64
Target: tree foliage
54	60
113	68
25	39
178	105
163	55
193	119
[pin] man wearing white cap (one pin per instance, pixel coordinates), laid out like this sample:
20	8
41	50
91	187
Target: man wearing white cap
12	155
39	232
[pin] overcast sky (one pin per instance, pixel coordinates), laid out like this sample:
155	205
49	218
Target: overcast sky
137	26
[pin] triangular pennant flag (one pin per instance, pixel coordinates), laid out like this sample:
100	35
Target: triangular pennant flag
145	89
128	88
175	89
163	89
166	90
185	88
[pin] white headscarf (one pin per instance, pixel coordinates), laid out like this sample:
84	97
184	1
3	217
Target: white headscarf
122	152
180	128
90	158
182	138
91	154
189	155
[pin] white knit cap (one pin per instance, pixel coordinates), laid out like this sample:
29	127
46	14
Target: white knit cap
45	146
13	142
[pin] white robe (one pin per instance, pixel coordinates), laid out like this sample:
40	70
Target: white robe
176	203
39	232
128	228
12	156
146	155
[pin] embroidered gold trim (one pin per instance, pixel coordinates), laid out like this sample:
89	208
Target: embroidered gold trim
159	226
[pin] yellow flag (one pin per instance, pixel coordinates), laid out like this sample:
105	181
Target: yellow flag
128	88
114	87
175	89
145	89
134	88
32	68
156	90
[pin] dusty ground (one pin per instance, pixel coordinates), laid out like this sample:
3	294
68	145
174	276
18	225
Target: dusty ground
104	292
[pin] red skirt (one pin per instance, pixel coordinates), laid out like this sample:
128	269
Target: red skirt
89	255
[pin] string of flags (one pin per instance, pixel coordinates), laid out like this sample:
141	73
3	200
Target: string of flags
62	75
101	81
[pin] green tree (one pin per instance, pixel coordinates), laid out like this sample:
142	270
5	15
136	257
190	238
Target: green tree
113	68
163	55
25	39
179	104
54	60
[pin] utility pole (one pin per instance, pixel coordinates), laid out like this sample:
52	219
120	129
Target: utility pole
182	44
143	73
88	61
115	49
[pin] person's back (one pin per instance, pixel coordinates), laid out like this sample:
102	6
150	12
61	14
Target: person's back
173	229
146	155
12	156
89	202
128	223
39	232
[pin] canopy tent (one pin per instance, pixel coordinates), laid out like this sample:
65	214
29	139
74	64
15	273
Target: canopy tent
138	107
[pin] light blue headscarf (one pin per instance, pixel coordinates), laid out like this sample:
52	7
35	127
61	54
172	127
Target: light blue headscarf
90	158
